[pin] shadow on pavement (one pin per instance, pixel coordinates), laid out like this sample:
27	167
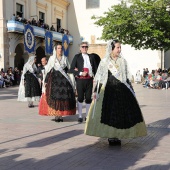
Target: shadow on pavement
97	156
48	131
54	139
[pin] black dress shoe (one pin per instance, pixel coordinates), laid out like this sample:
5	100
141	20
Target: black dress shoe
61	120
80	120
85	119
58	119
114	142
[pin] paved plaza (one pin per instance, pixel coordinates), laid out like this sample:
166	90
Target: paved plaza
29	141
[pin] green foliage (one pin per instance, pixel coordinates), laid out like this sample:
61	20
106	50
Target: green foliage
142	24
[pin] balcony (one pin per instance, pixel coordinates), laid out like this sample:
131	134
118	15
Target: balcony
15	26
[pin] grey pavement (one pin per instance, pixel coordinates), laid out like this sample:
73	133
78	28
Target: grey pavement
29	141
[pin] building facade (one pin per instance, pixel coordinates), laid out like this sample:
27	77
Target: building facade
48	12
72	15
84	29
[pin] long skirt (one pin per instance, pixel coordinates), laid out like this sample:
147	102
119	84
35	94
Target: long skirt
32	87
59	97
117	113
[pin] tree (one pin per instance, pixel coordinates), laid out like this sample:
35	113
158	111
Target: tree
143	24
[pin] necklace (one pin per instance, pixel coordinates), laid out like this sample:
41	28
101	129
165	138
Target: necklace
59	58
114	62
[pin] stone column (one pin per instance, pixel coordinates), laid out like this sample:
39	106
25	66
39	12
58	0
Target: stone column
11	59
4	42
1	35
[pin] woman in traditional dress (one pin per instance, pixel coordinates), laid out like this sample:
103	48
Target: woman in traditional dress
58	98
114	113
29	89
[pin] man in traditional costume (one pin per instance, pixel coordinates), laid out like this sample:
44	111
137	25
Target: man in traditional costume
84	67
114	113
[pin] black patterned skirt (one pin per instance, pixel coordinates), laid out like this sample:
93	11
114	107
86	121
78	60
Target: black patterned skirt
120	108
32	86
116	113
60	95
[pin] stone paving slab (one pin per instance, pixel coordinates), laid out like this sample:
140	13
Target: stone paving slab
29	141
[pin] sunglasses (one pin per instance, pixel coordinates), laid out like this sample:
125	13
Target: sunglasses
84	46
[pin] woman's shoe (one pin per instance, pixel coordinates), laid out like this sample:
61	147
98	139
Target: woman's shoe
114	141
58	119
61	120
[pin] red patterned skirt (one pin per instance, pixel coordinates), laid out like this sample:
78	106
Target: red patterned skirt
59	99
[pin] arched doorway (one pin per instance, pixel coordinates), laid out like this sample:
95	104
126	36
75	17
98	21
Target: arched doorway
19	60
40	53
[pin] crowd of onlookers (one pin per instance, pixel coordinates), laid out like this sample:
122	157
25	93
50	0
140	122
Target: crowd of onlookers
39	23
9	78
156	79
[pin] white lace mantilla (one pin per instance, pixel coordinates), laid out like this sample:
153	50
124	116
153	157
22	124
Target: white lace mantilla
31	67
122	74
58	65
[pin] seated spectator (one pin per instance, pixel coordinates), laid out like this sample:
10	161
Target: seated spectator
167	82
11	76
1	80
7	81
147	80
164	82
2	72
52	28
152	82
157	79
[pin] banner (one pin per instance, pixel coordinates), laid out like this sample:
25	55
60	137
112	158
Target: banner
29	38
65	44
48	43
